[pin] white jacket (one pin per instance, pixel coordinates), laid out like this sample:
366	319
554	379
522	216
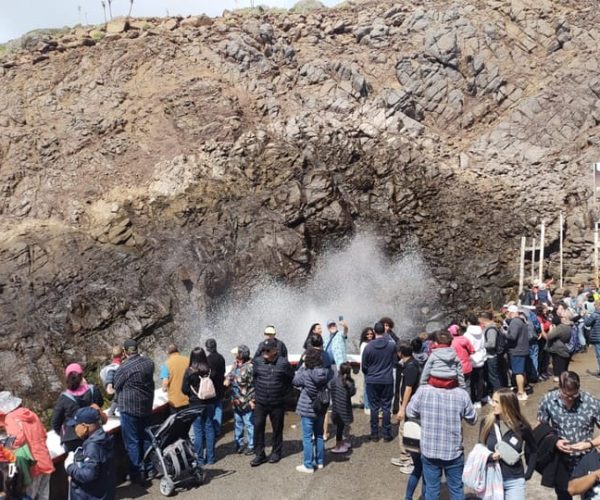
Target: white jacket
475	334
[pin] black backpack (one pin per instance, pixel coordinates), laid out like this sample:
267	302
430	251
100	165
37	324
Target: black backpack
321	402
500	339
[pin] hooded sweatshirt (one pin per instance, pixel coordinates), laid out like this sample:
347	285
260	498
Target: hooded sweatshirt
464	349
475	335
28	429
443	363
379	361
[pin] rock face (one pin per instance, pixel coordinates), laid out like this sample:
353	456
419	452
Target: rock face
162	165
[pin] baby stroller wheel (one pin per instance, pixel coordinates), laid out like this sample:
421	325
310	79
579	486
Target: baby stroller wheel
167	487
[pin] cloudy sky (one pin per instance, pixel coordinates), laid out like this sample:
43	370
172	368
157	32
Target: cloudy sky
21	16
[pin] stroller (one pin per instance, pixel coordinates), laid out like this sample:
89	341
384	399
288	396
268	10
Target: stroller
172	453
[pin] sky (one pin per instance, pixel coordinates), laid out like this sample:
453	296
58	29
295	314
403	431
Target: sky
20	16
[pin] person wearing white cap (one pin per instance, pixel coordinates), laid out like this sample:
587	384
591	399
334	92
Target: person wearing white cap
518	348
270	333
27	428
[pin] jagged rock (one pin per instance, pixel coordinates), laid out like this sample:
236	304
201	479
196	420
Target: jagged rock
117	26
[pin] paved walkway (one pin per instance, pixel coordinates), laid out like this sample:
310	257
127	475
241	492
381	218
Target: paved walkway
365	473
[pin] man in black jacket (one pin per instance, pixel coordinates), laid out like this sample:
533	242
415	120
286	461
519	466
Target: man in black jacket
270	333
134	384
216	363
272	382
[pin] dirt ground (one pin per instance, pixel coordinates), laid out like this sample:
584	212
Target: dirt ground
364	473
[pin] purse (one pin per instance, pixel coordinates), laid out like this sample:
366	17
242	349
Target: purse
507	453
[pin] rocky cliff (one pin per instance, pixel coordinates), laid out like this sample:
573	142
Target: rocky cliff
156	166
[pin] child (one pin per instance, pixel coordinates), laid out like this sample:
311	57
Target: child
443	368
107	376
241	380
342	389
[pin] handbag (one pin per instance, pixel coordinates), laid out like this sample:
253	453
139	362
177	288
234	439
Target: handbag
411	435
507	453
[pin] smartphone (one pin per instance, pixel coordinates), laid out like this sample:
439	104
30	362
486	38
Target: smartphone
340	318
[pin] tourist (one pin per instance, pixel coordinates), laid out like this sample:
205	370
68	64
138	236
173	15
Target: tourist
592	322
90	468
216	363
365	337
493	342
342	389
311	379
134	383
420	352
77	394
107	377
378	364
464	349
518	348
272	382
573	414
241	380
585	479
315	329
506	423
315	341
541	310
474	334
199	384
171	374
441	438
388	325
558	338
443	368
27	429
335	342
270	333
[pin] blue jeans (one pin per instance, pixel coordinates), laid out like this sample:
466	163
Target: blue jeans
597	351
432	474
244	419
534	353
413	479
136	442
218	418
366	398
514	489
380	398
492	375
581	335
204	436
313	427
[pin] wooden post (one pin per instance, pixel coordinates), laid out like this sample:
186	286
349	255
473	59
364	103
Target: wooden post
561	284
541	261
522	266
533	261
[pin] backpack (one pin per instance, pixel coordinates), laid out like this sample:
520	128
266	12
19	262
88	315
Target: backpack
106	370
321	401
573	345
530	327
206	388
500	339
82	403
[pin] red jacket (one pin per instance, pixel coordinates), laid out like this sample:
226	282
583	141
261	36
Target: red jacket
26	426
464	349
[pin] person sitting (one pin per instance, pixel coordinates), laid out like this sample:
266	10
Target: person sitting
443	368
90	468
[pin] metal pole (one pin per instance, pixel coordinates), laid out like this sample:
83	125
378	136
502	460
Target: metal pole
522	266
596	255
541	261
533	261
561	250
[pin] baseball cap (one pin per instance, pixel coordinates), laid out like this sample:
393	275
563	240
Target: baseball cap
73	368
270	330
269	344
130	345
513	309
331	322
85	415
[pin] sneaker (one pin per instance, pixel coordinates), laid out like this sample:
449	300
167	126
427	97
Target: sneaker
248	452
477	405
522	397
347	443
240	449
273	458
400	461
407	469
258	460
555	379
387	439
306	470
320	466
367	411
339	449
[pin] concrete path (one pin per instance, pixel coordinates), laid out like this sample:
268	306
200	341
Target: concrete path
365	473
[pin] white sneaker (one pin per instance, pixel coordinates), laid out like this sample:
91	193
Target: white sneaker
320	466
477	405
407	469
340	449
301	468
347	443
367	411
522	397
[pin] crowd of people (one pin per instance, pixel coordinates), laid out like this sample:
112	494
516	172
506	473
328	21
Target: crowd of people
438	379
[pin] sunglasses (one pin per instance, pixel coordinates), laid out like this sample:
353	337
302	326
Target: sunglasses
569	397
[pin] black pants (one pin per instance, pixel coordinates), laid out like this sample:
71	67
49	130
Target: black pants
559	364
477	384
276	414
502	369
491	375
339	431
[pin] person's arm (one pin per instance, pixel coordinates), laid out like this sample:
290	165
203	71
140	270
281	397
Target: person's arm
58	416
364	360
530	453
405	400
470	415
582	484
97	396
426	371
553	333
345	328
298	380
490	337
185	386
86	471
460	374
120	377
164	377
413	410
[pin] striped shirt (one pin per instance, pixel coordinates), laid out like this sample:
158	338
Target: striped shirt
441	412
134	383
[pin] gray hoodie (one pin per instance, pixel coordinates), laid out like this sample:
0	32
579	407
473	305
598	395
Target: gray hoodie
443	363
